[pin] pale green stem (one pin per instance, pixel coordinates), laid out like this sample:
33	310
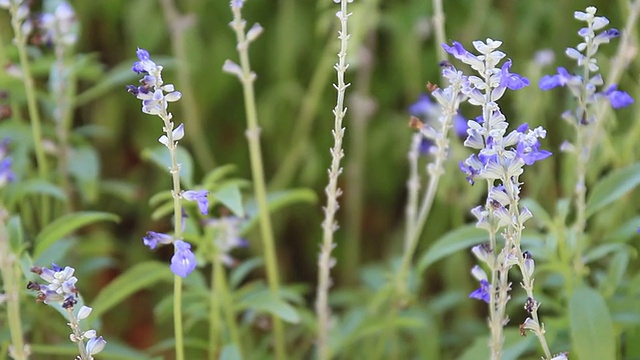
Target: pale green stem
32	105
438	26
10	279
227	300
179	24
214	318
329	225
257	172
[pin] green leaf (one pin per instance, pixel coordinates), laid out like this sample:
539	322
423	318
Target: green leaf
612	187
592	334
138	277
160	156
230	352
67	224
264	301
230	196
54	253
540	215
241	271
84	166
34	187
455	240
277	200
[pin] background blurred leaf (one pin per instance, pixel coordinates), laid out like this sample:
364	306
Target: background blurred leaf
160	156
592	333
612	187
67	224
455	240
84	166
138	277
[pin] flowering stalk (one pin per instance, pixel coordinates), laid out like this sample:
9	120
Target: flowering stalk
449	100
155	96
19	11
61	290
9	269
247	77
500	161
329	225
585	118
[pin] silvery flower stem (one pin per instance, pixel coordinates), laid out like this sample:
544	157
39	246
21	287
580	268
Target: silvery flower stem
11	290
177	226
74	324
32	105
438	26
257	174
329	225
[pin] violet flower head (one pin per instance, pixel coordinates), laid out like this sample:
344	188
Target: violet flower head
528	147
201	197
183	261
61	287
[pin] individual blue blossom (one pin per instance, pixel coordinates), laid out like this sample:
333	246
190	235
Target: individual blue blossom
183	261
6	174
176	134
95	345
617	98
562	78
152	239
482	293
201	197
512	81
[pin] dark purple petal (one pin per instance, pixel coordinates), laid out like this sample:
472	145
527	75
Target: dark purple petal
482	293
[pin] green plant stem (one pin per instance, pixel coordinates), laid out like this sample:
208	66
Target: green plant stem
177	226
179	24
257	172
332	191
214	317
227	300
10	279
32	105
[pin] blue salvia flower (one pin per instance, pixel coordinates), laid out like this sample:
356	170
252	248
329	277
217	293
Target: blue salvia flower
152	239
183	261
583	54
200	196
6	174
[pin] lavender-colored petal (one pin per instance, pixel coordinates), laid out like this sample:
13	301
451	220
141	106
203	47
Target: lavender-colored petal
183	261
482	293
201	197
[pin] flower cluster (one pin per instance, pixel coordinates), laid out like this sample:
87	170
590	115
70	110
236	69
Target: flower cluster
156	96
500	160
6	175
59	27
584	87
61	289
227	237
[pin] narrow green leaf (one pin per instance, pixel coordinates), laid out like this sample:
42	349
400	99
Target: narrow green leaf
540	215
264	301
230	352
230	196
277	200
455	240
160	156
241	271
138	277
34	187
612	187
67	224
592	334
84	166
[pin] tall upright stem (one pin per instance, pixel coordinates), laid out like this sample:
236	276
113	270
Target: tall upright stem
257	172
332	191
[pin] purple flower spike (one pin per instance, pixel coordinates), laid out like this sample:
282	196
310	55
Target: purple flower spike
618	99
201	197
140	67
423	107
152	239
512	81
482	293
183	261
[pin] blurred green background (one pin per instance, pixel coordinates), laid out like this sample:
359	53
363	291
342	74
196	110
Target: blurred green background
392	56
